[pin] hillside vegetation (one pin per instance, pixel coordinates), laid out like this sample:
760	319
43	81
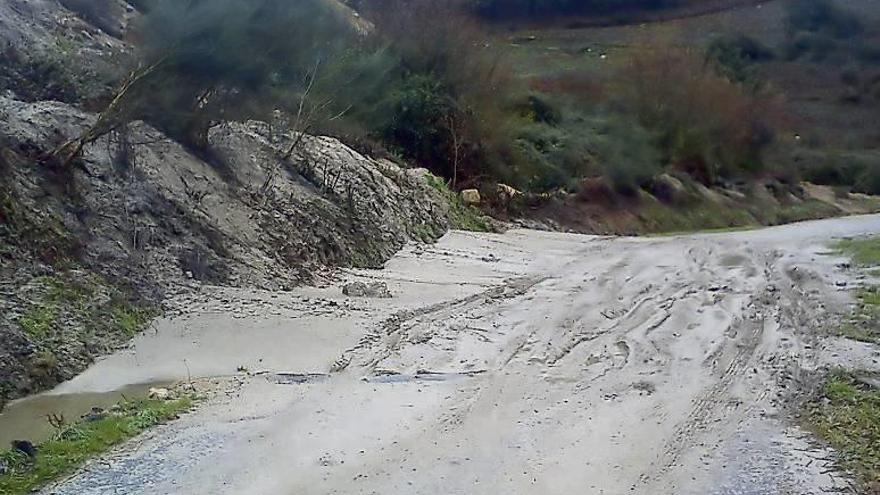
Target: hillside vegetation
443	85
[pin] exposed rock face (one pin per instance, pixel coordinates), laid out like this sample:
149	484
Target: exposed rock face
151	216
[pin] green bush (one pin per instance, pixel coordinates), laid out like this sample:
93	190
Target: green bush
207	63
421	108
38	76
629	156
857	171
734	56
822	16
622	9
815	45
705	124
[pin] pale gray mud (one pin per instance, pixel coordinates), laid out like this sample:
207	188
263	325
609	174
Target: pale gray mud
523	363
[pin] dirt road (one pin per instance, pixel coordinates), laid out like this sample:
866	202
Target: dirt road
524	363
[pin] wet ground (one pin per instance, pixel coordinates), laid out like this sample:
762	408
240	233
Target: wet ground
29	419
520	363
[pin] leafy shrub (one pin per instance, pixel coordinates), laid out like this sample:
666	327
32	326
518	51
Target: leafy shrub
822	16
205	62
734	56
819	28
868	181
451	86
540	109
624	9
421	111
628	155
858	171
36	76
551	157
818	46
706	125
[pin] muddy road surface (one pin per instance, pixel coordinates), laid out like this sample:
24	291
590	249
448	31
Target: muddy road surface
523	363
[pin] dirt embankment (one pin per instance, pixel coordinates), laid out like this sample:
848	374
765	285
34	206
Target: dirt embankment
88	253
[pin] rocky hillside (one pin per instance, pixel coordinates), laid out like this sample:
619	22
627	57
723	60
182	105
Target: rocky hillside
89	252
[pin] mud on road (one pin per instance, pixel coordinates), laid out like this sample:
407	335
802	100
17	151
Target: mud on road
521	363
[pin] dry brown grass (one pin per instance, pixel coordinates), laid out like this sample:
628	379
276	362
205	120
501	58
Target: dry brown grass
708	125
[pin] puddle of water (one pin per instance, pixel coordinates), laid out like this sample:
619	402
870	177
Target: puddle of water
298	378
27	419
423	376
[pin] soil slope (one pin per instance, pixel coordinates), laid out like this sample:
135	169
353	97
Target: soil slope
89	252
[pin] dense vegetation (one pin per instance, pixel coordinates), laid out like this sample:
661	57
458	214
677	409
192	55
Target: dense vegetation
428	82
507	9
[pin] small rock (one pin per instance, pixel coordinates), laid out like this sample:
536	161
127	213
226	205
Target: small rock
471	197
96	414
160	394
25	447
361	289
507	193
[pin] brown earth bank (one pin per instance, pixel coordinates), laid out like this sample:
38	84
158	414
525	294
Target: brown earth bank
691	207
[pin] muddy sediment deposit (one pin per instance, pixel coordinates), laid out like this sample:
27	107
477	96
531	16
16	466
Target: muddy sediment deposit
526	362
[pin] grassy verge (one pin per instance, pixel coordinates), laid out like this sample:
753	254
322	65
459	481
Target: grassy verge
76	444
864	324
848	417
462	217
864	252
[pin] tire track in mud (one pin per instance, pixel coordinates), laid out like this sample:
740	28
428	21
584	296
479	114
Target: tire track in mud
371	345
714	403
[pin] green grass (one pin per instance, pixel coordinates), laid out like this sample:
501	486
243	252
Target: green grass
81	299
848	417
462	217
129	320
864	324
76	444
38	321
864	252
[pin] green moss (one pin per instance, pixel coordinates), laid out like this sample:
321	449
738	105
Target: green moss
76	444
848	418
129	319
38	321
